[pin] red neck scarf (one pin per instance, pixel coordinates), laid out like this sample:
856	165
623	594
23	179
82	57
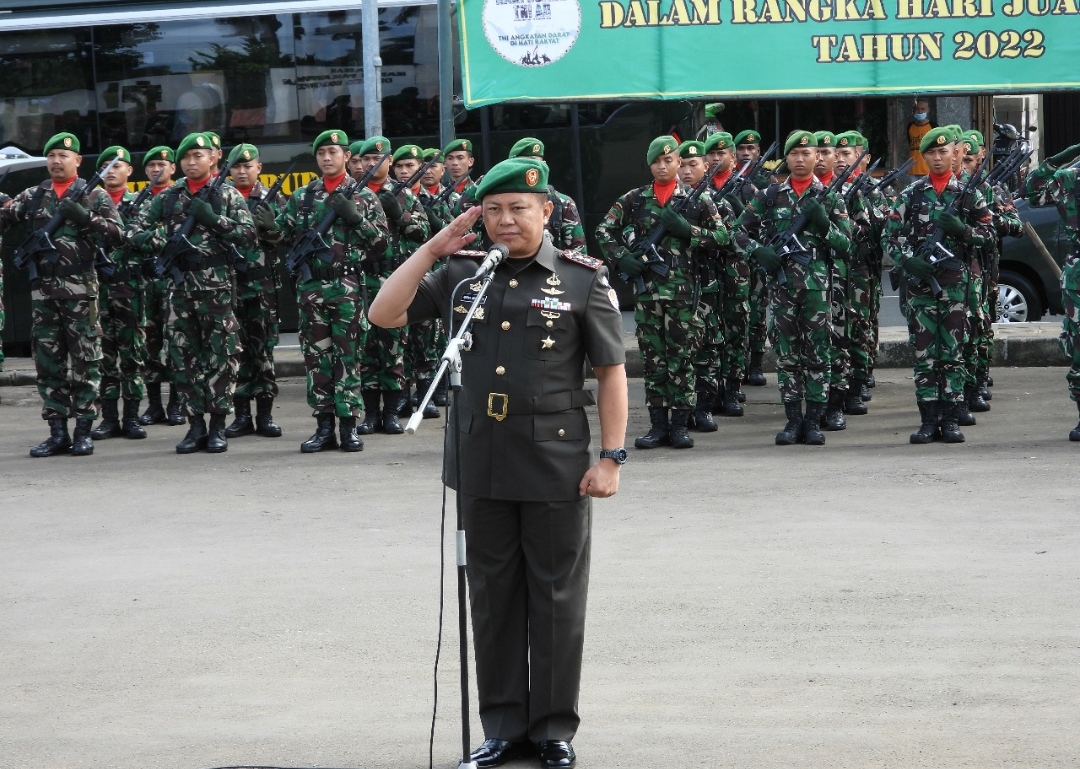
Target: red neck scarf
940	181
460	186
720	178
827	179
156	190
800	185
61	187
375	187
433	190
664	191
331	182
245	191
117	195
194	186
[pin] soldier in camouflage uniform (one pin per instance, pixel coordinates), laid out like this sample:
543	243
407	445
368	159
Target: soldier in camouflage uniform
564	224
4	200
669	327
257	284
66	336
938	325
439	204
203	345
382	362
748	148
1057	181
458	160
800	319
332	321
123	341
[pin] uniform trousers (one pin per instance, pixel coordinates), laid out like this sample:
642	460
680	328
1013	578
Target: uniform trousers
66	342
938	329
202	350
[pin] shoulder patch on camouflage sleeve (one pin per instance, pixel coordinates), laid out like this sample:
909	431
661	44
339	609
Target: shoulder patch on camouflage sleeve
575	256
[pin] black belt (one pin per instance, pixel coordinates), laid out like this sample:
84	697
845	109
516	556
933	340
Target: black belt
320	271
255	273
500	405
47	269
122	275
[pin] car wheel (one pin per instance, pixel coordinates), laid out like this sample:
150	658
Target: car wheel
1018	302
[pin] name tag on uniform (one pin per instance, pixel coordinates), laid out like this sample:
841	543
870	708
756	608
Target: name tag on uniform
551	303
471	297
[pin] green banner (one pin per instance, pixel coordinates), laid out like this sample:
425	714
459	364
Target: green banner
555	50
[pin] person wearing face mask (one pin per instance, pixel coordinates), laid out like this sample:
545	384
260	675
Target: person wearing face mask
919	127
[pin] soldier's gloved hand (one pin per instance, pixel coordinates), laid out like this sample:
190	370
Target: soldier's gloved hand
736	204
1066	156
953	225
264	219
203	213
346	209
630	263
767	258
74	212
675	223
919	267
391	206
816	216
140	241
4	199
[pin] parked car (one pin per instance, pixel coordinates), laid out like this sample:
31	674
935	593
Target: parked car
1029	285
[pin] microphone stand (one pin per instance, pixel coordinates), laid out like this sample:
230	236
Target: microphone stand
451	361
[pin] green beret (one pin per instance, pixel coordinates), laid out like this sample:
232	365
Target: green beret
62	141
825	138
799	139
409	152
332	136
242	153
850	139
692	149
957	131
661	145
936	137
458	144
430	153
977	136
115	151
215	140
714	109
376	145
530	146
747	137
721	140
161	152
197	141
969	147
973	139
513	175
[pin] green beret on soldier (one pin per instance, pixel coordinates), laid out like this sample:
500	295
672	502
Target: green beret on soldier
527	147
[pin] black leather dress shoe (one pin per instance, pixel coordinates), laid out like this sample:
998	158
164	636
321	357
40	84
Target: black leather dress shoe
556	754
496	752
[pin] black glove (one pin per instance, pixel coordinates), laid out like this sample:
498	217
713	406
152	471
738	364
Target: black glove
675	223
264	219
140	241
630	263
1065	157
346	209
918	267
816	216
203	213
391	206
952	225
74	212
736	204
767	258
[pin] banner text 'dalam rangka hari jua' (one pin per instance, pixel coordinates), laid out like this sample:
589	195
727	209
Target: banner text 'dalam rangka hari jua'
554	50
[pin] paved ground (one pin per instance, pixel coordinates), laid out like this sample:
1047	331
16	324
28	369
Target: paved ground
864	604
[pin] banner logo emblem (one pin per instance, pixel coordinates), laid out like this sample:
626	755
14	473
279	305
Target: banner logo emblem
532	34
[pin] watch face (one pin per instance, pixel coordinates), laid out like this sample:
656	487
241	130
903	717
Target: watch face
619	455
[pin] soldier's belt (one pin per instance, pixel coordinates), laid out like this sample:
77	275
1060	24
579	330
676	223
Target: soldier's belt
49	270
122	275
256	273
320	271
500	405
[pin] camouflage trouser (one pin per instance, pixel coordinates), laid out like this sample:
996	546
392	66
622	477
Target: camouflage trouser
2	317
382	360
799	332
668	334
735	317
860	290
202	350
156	309
422	349
977	347
66	341
257	320
1070	339
332	324
758	306
876	289
840	312
123	342
710	350
938	328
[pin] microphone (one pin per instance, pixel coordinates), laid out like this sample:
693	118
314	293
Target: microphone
496	256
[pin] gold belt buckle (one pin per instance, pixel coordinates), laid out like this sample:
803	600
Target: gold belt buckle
500	416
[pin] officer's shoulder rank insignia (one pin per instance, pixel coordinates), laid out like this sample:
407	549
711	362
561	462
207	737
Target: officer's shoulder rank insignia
575	256
469	254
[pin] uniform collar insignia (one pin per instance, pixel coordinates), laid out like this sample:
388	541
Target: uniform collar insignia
476	286
554	280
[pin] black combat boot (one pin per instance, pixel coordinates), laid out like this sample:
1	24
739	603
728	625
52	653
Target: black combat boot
173	415
323	438
372	415
928	432
216	440
350	441
702	419
431	411
441	398
58	442
754	376
964	417
1074	434
871	382
950	429
812	435
196	436
853	400
659	433
989	380
679	434
732	405
130	427
984	390
109	427
242	423
975	400
834	412
792	432
864	392
393	401
155	412
264	416
82	444
406	404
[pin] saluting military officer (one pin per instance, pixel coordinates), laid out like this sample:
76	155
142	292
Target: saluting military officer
66	336
748	149
564	224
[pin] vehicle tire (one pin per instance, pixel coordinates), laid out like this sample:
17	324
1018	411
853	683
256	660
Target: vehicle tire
1018	301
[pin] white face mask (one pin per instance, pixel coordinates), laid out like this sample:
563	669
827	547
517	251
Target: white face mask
921	115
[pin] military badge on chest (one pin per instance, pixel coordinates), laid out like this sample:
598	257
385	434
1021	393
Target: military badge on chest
466	301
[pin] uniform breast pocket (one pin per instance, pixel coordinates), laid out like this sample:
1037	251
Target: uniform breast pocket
478	330
549	335
570	425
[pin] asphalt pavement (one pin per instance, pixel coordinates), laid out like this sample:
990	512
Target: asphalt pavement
864	604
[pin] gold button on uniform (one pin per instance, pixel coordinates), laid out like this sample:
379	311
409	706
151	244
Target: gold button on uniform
506	325
513	283
500	370
562	432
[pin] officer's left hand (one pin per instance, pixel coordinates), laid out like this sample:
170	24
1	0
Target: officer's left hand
74	212
675	223
203	213
952	224
264	219
600	480
391	206
816	216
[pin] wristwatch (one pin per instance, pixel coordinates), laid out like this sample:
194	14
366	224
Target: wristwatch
619	455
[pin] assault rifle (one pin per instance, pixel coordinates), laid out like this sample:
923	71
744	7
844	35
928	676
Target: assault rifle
128	207
179	254
746	175
40	244
787	243
862	184
239	261
648	248
884	182
1009	166
398	186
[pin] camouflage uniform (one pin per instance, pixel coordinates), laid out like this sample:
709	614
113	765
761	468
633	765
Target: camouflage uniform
66	334
123	339
758	299
1006	223
427	339
564	224
866	289
332	317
